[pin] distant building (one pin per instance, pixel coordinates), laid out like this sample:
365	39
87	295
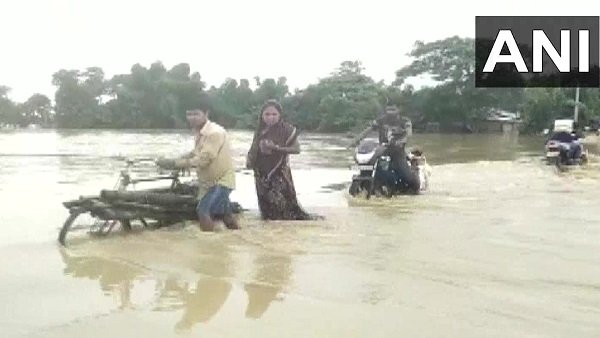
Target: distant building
498	121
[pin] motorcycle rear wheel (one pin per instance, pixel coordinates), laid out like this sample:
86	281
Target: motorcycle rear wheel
354	188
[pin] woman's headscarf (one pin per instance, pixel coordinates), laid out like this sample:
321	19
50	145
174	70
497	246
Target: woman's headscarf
281	133
269	103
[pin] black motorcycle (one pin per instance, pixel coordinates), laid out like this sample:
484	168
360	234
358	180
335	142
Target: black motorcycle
558	153
376	175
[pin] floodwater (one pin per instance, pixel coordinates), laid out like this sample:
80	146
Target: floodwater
501	245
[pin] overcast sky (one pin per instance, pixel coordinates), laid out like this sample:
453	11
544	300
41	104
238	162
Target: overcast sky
302	40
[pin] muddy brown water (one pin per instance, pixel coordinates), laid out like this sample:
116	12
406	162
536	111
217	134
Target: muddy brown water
501	245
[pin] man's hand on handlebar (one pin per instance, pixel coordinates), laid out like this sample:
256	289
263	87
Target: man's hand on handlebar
167	164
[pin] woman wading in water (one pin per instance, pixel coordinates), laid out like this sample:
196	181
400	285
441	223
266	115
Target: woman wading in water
274	140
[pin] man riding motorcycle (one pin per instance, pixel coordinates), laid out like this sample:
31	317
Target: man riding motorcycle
570	141
394	131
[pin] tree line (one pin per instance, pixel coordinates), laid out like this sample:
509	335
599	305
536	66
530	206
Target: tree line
345	100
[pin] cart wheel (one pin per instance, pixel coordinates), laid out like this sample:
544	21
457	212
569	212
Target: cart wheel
125	225
74	213
102	228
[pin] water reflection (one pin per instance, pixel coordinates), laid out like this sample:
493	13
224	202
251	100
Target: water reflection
271	277
115	278
200	295
200	300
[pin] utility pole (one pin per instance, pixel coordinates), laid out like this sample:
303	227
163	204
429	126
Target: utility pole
576	114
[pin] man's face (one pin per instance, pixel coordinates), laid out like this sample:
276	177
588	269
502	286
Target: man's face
196	118
392	110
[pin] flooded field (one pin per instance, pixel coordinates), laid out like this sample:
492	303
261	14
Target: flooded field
501	245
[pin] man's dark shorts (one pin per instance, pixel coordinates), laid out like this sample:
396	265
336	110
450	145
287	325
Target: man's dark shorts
215	202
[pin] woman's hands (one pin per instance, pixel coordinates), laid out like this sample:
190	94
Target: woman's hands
267	146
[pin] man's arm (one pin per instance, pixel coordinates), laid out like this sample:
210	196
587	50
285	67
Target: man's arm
188	155
364	133
205	154
171	164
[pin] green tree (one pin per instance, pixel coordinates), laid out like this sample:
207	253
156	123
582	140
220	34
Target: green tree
9	112
450	63
544	105
78	98
153	97
233	103
37	110
344	100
